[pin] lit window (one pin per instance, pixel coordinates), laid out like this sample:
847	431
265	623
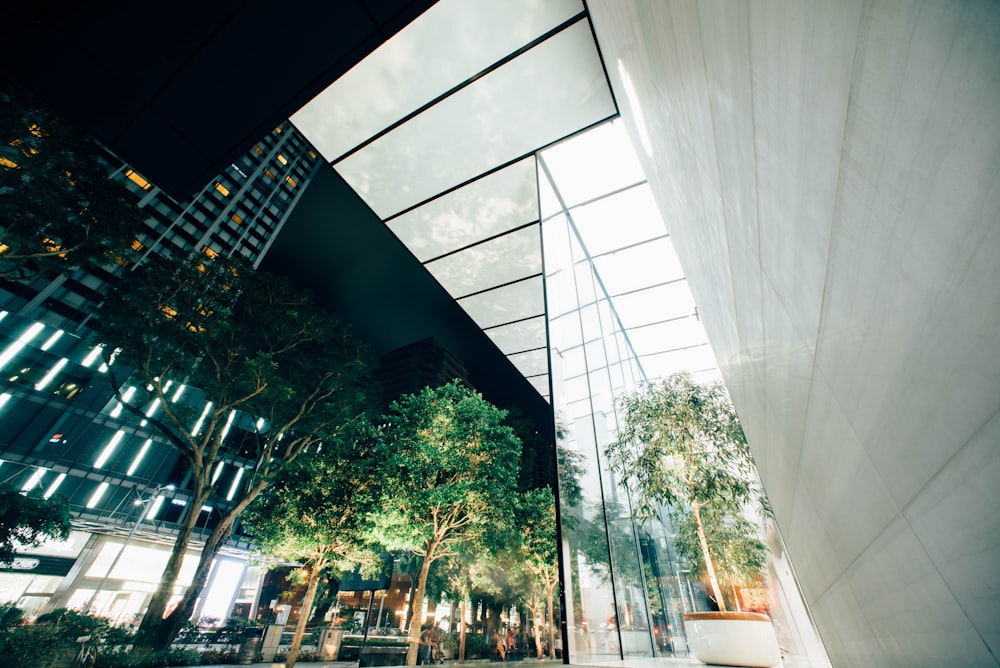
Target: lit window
35	130
52	246
137	245
9	164
312	154
95	498
278	129
269	174
258	149
209	252
237	219
291	181
138	180
222	189
169	312
282	159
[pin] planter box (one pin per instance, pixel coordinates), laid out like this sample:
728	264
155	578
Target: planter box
732	639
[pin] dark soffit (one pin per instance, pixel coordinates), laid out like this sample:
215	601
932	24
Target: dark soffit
337	247
180	89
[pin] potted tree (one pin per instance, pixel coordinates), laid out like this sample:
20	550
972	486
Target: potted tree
680	445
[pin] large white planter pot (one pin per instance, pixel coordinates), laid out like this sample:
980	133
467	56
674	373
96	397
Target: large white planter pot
732	639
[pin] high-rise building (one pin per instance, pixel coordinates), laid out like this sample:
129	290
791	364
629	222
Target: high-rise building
62	430
411	368
825	179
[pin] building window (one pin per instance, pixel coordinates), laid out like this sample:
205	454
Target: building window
312	154
135	178
291	182
282	159
209	252
269	174
222	189
236	218
138	246
258	149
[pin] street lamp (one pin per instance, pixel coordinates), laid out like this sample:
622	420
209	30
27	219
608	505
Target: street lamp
145	509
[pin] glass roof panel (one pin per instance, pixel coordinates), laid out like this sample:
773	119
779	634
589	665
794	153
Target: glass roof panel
595	163
541	384
626	218
492	205
531	363
446	45
508	258
700	358
664	336
519	336
639	266
506	304
547	93
660	302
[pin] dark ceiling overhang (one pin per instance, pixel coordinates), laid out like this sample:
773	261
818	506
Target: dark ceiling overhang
337	247
180	89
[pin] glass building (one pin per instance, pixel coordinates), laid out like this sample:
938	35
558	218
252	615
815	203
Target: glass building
63	432
825	174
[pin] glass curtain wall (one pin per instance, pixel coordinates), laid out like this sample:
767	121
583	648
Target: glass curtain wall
625	590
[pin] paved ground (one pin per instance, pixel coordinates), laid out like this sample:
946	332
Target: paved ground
535	663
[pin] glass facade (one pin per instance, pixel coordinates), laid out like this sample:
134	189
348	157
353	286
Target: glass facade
620	313
625	591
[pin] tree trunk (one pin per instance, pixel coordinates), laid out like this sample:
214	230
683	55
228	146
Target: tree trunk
461	634
418	607
536	627
736	595
156	631
153	633
307	602
709	567
550	609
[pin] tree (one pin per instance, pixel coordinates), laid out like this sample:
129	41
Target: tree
27	520
315	513
59	207
269	362
680	443
449	476
539	552
740	554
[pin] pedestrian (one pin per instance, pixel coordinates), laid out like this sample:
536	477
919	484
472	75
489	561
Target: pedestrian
498	643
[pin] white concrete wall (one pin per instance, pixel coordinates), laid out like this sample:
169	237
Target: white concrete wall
830	173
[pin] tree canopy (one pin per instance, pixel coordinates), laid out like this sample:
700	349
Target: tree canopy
59	206
316	512
27	520
680	443
269	361
449	472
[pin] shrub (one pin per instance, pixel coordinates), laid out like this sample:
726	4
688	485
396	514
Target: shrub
305	656
32	644
213	657
10	615
121	658
476	646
